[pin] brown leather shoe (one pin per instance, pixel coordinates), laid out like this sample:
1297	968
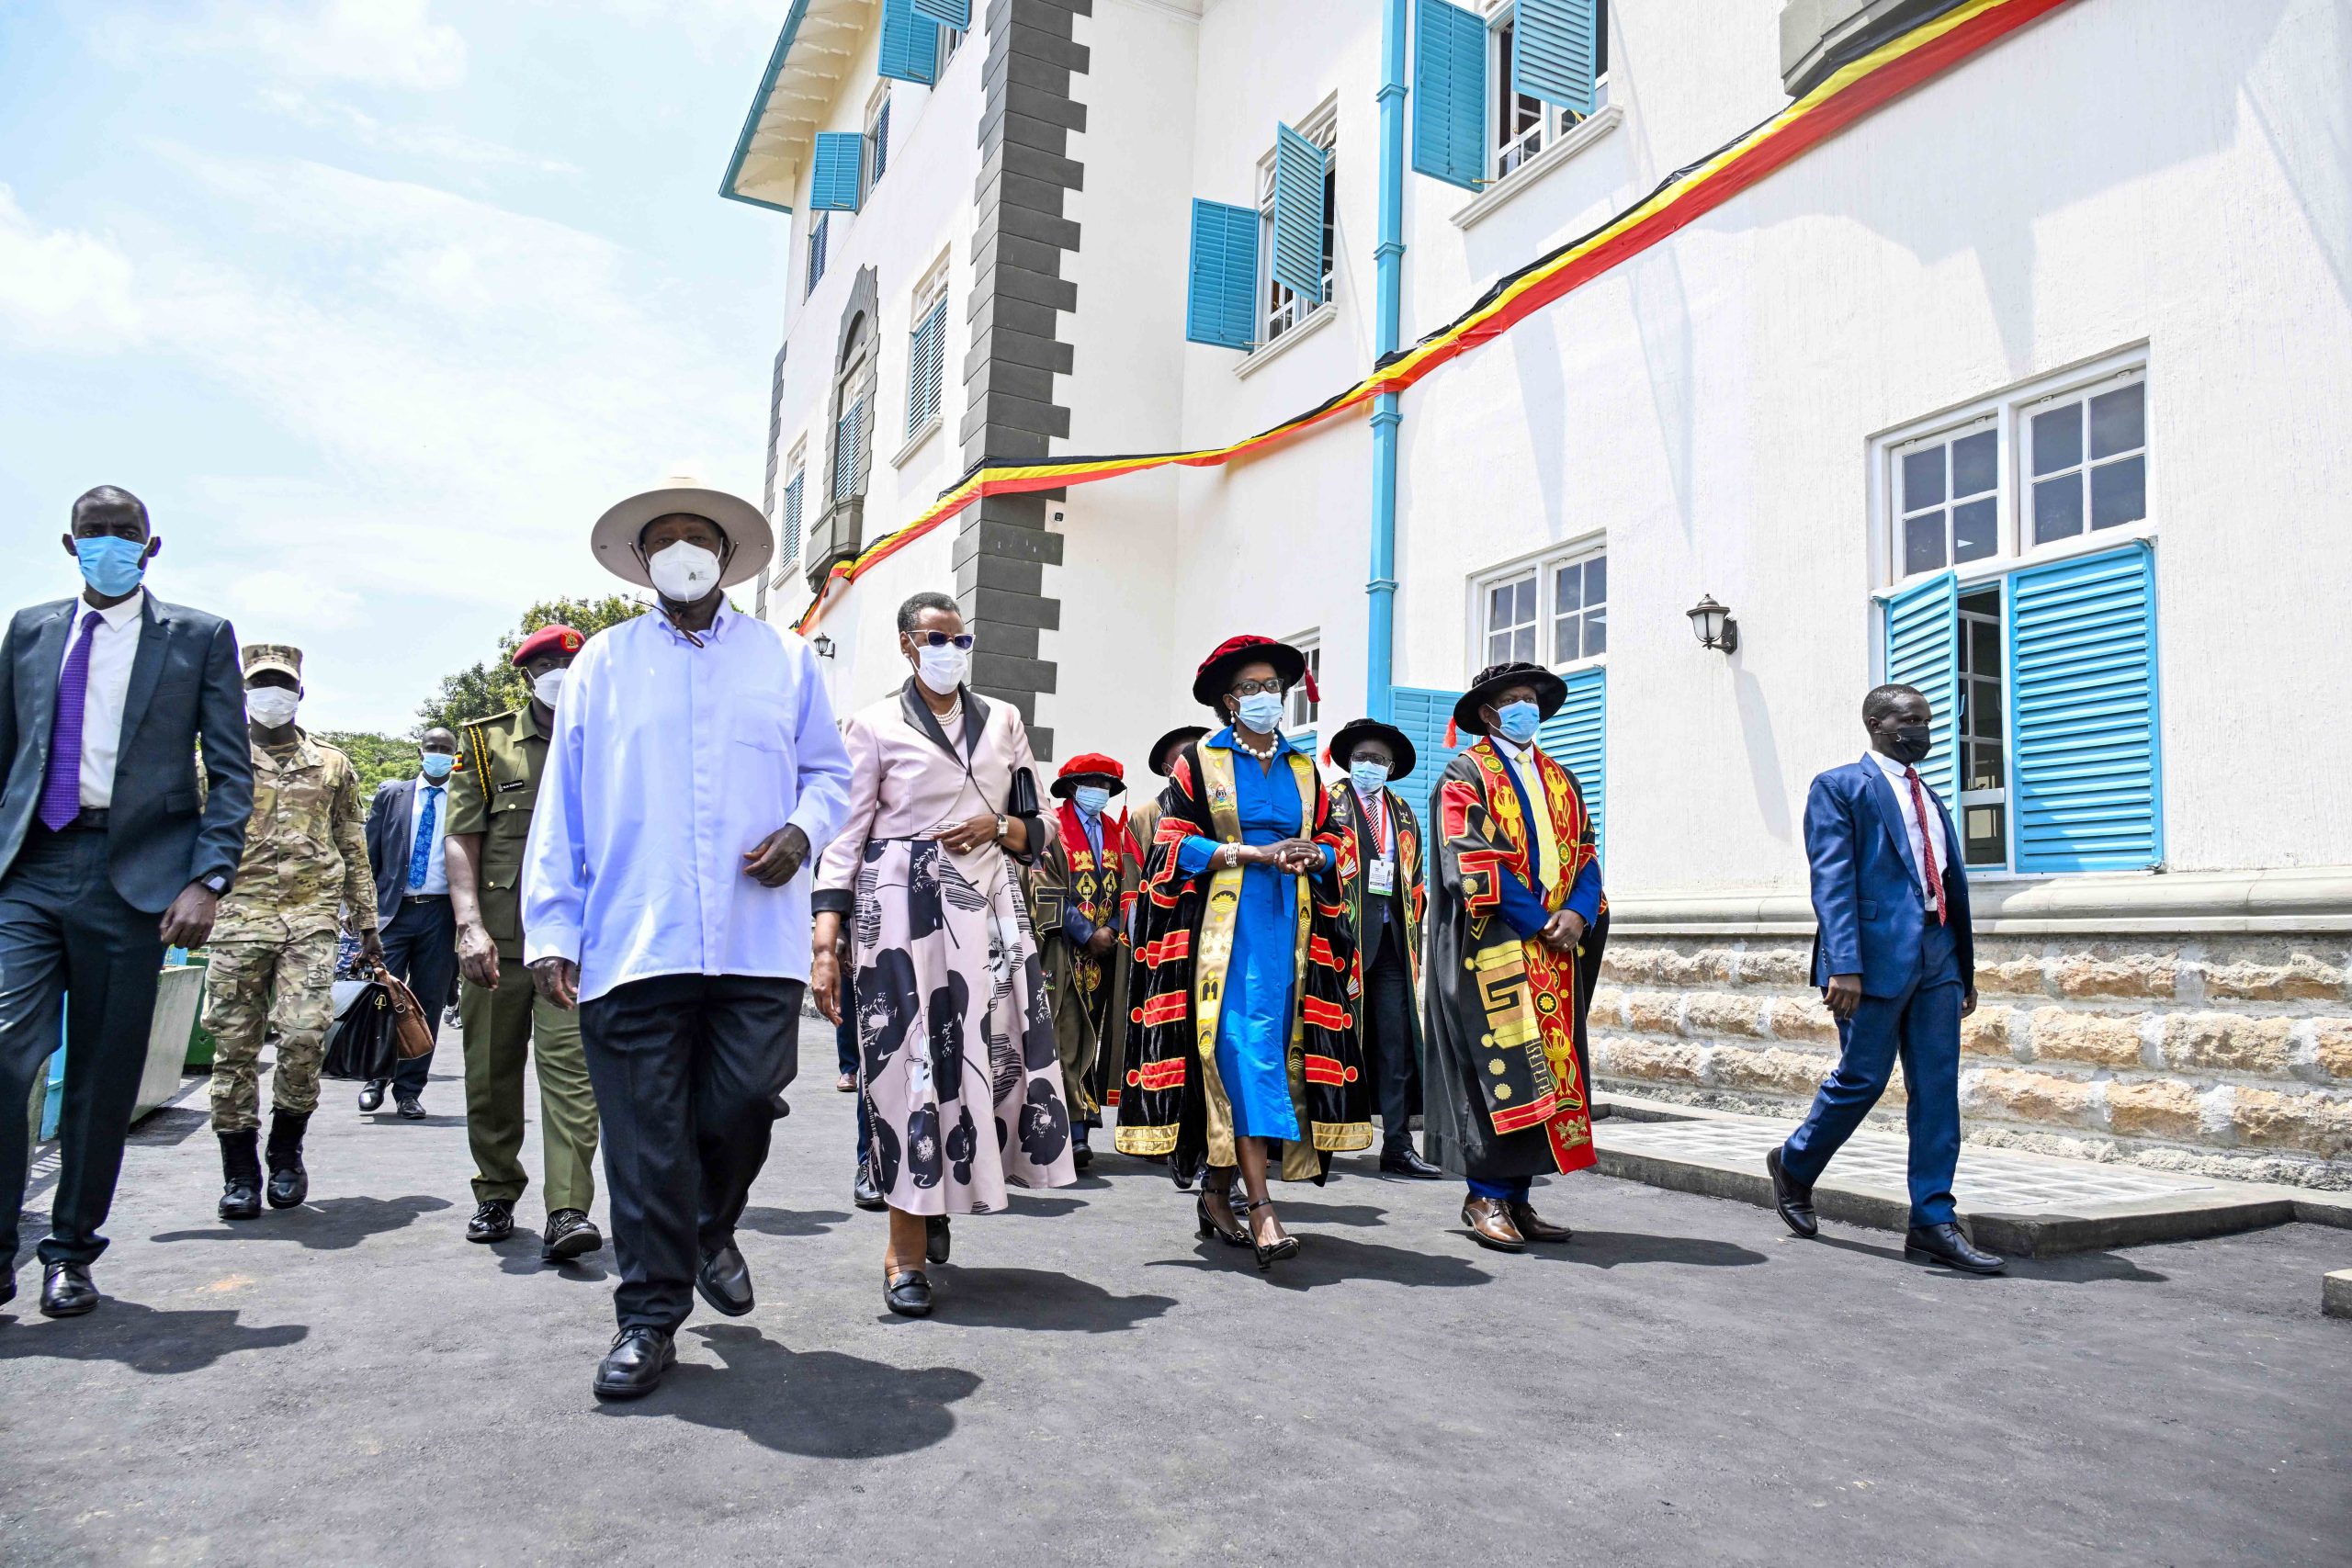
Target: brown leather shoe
1534	1227
1490	1226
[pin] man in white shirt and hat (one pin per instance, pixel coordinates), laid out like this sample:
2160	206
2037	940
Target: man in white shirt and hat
694	771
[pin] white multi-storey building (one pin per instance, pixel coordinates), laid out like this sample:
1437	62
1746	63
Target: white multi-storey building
2030	388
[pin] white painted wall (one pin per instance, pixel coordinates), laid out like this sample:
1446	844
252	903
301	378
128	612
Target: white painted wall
2170	173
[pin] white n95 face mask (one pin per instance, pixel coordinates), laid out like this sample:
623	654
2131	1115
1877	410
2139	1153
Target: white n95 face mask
943	669
546	684
682	573
272	707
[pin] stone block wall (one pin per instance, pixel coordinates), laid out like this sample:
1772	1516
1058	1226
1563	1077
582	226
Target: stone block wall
2227	1056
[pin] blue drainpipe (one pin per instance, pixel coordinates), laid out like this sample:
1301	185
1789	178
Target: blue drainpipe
1389	260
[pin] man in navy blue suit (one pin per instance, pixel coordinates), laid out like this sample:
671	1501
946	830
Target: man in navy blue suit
1897	962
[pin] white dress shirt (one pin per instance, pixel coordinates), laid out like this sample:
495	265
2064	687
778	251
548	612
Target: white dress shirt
1379	830
437	870
1922	846
113	645
669	762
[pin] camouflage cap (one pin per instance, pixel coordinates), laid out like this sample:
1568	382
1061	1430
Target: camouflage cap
285	656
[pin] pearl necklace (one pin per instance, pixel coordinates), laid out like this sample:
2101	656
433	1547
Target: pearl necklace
1272	746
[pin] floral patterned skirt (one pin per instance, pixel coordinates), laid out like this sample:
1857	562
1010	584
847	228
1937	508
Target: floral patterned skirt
956	1058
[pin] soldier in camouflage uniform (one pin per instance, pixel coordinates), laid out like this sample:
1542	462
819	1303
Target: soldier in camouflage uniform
500	761
272	953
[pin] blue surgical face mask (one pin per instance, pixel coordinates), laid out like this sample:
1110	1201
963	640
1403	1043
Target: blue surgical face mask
110	565
1091	799
1368	777
437	764
1516	722
1262	712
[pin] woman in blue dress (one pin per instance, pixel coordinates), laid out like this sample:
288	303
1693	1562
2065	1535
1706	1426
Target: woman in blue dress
1242	1046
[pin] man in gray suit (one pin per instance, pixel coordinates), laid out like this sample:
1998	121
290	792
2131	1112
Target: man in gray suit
408	831
110	850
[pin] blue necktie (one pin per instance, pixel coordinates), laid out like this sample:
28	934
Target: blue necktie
423	855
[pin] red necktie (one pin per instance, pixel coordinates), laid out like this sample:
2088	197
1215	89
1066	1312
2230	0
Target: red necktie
1927	843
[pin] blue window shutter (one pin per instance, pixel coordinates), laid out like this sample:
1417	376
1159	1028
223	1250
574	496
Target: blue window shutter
924	364
2086	779
792	493
957	14
881	143
832	184
1222	285
1449	94
1923	651
1298	214
909	43
1553	44
1577	739
817	236
1423	713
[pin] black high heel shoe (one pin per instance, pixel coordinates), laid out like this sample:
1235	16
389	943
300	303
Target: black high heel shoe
1268	1256
1209	1228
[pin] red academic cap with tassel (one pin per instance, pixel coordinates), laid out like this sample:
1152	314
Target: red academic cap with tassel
1215	674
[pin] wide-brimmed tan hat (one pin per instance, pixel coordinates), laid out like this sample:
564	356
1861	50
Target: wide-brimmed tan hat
614	537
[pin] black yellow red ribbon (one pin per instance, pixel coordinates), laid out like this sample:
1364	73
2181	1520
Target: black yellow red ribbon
1852	93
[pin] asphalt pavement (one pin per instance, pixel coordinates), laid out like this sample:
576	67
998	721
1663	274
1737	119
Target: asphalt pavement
352	1382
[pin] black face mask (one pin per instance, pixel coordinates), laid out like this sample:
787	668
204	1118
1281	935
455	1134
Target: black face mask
1912	743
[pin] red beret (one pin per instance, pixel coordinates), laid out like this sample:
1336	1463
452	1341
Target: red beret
547	639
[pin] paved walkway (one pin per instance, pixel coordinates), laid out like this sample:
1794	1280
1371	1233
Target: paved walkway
354	1382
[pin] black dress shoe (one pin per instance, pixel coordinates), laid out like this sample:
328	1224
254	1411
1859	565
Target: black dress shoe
371	1097
290	1182
412	1107
1794	1200
1944	1243
863	1193
633	1367
493	1221
1532	1227
66	1291
908	1295
1403	1159
570	1235
935	1238
1080	1156
241	1175
725	1281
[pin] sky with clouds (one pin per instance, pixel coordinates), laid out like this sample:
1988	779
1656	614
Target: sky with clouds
377	303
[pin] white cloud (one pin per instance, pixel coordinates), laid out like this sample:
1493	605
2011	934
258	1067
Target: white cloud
63	289
438	142
393	43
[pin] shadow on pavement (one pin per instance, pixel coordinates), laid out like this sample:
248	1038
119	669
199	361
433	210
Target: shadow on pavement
1612	1249
1334	1259
330	1224
821	1404
171	1126
519	1255
1039	1299
387	1117
2069	1268
146	1339
1329	1214
1044	1208
790	1222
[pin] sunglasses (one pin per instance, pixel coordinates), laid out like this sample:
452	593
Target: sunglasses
940	640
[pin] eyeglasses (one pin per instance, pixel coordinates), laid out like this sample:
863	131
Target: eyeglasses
1252	688
940	640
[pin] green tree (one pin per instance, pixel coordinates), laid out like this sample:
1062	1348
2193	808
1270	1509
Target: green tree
496	685
374	757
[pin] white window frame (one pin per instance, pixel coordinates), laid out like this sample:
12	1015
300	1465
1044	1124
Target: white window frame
950	39
927	295
1508	157
2010	411
1300	715
1279	308
874	153
1544	565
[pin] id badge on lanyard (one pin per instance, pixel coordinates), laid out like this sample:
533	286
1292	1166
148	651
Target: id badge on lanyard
1380	876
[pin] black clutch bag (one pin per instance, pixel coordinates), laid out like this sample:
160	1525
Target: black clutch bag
1021	799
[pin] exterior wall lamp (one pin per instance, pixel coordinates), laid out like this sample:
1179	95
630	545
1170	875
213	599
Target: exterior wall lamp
821	646
1713	625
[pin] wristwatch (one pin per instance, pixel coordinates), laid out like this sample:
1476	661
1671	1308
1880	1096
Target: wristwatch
218	883
1003	828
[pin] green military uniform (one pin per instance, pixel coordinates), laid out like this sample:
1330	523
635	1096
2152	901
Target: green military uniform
500	763
271	958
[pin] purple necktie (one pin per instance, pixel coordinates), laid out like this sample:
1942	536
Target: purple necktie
60	792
